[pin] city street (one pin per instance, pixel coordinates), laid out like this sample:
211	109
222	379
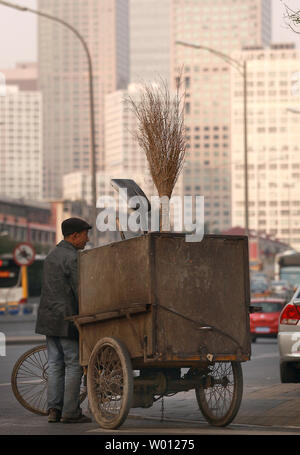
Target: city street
149	200
268	407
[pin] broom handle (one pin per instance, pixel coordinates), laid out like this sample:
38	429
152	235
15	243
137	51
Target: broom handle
164	215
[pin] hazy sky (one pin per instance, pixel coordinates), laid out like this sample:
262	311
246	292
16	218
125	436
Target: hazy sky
18	31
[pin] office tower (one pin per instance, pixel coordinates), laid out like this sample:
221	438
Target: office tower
126	157
24	75
150	40
21	143
273	119
223	25
77	186
63	80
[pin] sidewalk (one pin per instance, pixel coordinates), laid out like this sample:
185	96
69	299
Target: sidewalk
275	406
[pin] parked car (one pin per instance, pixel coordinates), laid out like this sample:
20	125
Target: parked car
264	322
289	340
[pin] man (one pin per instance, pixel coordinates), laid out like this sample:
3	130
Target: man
59	299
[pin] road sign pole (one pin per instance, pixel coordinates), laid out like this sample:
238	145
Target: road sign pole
24	281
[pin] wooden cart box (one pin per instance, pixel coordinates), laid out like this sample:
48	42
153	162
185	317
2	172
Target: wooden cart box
168	300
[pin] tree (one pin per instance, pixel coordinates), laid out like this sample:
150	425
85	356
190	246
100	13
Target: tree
292	18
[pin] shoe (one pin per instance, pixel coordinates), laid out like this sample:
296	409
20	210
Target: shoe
81	419
54	415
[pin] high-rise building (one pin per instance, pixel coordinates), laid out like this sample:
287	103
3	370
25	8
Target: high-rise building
126	157
77	186
273	119
24	75
150	45
21	143
64	82
223	25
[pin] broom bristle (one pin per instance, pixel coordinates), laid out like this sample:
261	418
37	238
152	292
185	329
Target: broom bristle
161	133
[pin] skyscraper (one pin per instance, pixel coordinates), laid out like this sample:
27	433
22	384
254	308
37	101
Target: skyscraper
21	144
63	80
224	25
150	44
21	134
273	143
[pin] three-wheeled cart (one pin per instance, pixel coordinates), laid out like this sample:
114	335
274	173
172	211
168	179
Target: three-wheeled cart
159	315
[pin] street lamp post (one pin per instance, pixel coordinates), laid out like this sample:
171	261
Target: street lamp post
289	186
91	93
242	69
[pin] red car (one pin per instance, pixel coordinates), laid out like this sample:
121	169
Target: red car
264	323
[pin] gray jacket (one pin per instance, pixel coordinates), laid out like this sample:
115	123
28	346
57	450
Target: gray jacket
59	297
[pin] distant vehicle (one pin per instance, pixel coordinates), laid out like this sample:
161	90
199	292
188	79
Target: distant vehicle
260	276
255	265
289	340
11	285
287	267
281	287
264	323
258	286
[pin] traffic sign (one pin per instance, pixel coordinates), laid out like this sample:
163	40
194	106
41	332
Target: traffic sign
24	254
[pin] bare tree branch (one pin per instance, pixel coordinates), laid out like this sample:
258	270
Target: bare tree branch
292	18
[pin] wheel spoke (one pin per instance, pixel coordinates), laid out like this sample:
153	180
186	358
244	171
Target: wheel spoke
29	380
220	399
110	382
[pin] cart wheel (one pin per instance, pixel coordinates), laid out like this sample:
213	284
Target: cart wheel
220	399
110	382
29	380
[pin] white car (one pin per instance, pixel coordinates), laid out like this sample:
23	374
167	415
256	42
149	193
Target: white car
289	340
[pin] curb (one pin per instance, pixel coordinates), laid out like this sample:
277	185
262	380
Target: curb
25	340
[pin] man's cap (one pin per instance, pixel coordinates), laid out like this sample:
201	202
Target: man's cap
72	225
